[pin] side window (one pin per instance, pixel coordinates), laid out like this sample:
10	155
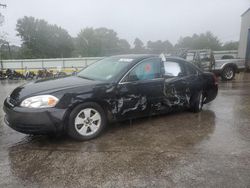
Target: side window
191	70
172	69
146	70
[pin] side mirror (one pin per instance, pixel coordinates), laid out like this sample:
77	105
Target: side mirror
132	78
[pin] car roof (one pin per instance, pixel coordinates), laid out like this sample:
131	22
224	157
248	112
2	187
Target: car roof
175	57
139	57
135	56
144	56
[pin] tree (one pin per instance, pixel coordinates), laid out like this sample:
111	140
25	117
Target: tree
43	40
123	46
5	49
1	19
159	46
99	42
203	41
232	45
1	15
138	46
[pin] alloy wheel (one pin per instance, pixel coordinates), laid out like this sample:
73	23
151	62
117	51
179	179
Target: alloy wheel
228	73
87	121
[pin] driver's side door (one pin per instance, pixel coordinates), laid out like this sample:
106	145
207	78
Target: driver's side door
140	89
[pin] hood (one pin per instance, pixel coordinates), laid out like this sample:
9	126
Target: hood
49	86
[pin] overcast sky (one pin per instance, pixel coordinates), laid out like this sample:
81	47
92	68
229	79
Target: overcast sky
146	19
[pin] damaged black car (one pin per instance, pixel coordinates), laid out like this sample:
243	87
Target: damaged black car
114	88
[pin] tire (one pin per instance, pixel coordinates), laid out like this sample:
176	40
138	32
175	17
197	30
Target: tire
228	73
86	121
197	102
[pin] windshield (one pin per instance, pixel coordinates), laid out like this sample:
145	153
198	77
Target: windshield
105	69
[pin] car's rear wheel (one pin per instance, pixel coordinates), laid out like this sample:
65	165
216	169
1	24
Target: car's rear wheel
228	73
86	121
196	103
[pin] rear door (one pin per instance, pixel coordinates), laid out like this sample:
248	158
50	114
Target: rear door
176	91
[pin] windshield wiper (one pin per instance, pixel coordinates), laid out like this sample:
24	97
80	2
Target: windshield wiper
85	77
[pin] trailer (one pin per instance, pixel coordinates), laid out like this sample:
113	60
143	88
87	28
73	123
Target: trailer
223	63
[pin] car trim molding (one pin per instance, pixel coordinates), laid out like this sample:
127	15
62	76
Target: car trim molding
121	83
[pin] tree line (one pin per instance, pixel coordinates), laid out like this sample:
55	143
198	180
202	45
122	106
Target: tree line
43	40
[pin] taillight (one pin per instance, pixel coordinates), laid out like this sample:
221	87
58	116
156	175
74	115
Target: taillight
215	79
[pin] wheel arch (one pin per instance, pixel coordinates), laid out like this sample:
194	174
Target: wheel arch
231	65
103	104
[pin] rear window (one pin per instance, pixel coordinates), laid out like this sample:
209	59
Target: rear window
172	68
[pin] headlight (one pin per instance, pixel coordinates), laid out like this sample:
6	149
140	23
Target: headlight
41	101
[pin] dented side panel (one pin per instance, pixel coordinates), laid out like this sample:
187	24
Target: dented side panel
139	97
176	92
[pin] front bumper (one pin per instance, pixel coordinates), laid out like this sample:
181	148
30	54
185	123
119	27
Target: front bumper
34	121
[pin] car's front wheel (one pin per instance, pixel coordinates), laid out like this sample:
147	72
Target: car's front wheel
86	121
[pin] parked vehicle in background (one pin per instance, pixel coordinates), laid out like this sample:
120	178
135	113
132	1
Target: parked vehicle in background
13	75
222	63
59	74
29	75
114	88
3	75
74	73
44	73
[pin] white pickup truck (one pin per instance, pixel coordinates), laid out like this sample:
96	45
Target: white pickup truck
222	63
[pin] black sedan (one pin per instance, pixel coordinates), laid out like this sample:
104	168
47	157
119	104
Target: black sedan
114	88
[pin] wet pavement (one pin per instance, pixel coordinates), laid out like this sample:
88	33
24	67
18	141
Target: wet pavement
208	149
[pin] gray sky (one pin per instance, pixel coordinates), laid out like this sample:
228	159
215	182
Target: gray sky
146	19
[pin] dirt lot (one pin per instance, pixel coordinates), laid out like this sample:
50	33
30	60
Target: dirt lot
209	149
